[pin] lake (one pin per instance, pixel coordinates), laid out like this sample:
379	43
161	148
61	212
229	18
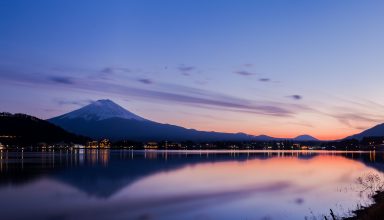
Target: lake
154	184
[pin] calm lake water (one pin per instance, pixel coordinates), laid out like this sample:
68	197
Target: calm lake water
125	184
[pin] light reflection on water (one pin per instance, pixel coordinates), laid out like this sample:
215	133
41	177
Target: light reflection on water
126	184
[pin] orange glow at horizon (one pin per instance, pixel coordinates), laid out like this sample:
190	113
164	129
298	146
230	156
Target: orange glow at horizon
322	127
328	132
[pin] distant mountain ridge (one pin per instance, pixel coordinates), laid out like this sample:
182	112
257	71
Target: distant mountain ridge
24	130
376	131
305	137
106	119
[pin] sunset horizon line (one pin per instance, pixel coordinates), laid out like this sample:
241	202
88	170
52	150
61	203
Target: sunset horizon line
277	136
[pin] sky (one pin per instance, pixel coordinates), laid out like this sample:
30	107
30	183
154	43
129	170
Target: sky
275	67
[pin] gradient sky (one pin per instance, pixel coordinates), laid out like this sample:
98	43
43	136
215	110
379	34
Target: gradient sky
275	67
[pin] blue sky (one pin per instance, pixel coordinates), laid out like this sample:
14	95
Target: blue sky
273	67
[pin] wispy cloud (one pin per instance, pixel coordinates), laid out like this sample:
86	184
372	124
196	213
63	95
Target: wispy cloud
248	65
203	98
264	79
186	70
167	93
145	81
303	124
107	70
112	70
109	73
357	121
357	113
61	79
244	73
295	97
73	102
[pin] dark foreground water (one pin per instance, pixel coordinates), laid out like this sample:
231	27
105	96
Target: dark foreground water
125	184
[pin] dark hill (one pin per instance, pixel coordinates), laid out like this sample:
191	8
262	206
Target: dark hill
26	130
376	131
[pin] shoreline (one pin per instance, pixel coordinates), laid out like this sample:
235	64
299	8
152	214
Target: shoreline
372	212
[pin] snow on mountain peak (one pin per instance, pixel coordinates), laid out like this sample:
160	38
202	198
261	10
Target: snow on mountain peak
100	110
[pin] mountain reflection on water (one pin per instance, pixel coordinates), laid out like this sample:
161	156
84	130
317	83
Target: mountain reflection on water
126	184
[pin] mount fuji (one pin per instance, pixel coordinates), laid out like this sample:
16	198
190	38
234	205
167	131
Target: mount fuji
100	110
305	137
106	119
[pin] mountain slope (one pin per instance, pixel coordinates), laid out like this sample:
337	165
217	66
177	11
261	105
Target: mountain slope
24	130
131	129
377	131
100	110
305	137
105	119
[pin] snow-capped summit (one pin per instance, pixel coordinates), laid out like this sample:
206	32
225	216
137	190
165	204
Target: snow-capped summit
100	110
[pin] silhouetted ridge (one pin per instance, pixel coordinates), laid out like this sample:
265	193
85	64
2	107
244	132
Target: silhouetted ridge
23	130
376	131
106	119
305	137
